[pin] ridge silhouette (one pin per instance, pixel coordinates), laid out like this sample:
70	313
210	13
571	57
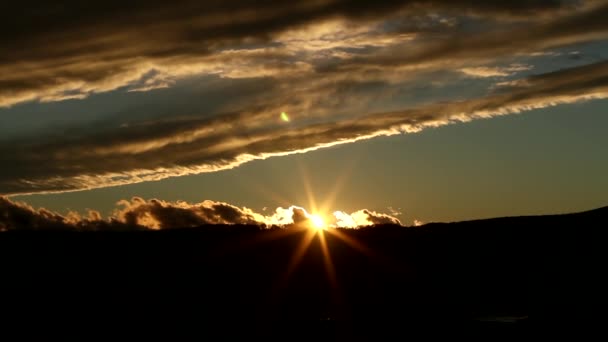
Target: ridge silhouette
494	271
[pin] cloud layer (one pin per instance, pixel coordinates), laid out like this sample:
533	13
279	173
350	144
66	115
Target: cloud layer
66	50
340	68
132	154
137	214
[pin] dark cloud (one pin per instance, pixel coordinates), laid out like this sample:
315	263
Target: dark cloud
299	216
164	215
193	20
134	214
133	154
111	44
59	50
460	47
17	216
138	214
378	218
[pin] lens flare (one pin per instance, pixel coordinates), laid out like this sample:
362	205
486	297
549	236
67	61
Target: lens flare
284	117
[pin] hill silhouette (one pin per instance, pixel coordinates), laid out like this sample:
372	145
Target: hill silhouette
505	271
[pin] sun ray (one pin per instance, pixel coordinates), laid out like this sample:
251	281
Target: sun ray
281	282
380	259
352	243
298	254
330	198
267	236
329	265
264	191
313	226
312	203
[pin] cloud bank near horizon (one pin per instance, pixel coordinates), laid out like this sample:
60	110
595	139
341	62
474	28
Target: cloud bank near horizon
344	70
155	214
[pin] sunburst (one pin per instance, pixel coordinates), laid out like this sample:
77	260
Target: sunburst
317	222
315	228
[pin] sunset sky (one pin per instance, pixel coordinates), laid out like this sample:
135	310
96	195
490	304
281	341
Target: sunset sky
415	111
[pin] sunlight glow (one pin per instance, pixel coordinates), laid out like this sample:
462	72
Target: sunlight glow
317	222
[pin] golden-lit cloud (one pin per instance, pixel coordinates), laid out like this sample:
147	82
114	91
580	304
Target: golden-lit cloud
18	215
131	154
363	218
494	71
115	44
333	69
138	213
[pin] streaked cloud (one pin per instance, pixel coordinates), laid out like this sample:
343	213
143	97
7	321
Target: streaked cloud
131	154
113	44
344	70
461	47
494	71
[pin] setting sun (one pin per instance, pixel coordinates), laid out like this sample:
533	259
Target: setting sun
317	222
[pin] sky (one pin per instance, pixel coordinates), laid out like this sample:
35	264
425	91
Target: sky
184	113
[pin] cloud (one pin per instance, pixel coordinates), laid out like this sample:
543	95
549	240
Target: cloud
374	218
363	217
463	47
494	71
137	214
159	214
333	65
54	52
17	215
299	216
197	145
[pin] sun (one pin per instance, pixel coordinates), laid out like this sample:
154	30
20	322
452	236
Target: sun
317	222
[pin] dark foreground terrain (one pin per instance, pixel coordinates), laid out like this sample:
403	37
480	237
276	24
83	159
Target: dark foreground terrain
512	272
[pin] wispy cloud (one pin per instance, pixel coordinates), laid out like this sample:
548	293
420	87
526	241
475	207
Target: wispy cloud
131	154
484	71
336	66
113	44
